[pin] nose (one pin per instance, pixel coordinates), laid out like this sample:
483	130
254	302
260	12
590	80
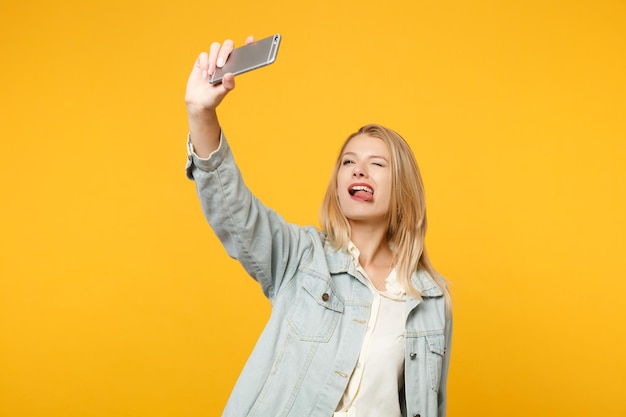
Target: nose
359	172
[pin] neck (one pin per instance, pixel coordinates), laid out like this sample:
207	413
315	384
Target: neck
372	243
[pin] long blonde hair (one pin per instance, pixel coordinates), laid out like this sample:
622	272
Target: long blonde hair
406	228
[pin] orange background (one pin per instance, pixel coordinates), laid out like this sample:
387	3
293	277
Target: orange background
117	300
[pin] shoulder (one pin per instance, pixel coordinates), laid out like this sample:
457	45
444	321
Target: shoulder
426	285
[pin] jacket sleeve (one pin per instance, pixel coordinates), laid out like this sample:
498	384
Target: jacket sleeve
269	248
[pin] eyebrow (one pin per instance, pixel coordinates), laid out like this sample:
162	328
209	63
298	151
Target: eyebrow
367	157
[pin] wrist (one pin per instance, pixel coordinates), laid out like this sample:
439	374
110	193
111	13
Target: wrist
200	114
204	130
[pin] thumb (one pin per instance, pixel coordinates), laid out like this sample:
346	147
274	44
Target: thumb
228	82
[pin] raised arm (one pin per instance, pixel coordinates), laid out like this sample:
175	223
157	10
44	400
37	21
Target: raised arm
202	98
270	249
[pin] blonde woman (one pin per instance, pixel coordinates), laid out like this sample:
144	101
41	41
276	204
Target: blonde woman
360	322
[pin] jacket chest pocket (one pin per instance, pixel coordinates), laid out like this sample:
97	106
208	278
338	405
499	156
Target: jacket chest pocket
436	350
316	310
427	353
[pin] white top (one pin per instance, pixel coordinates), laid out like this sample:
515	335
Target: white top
379	373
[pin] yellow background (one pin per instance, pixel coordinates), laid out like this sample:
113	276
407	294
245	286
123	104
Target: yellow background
117	300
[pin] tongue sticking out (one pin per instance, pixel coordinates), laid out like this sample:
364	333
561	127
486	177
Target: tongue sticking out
363	195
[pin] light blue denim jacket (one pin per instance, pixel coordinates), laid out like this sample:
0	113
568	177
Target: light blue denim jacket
304	357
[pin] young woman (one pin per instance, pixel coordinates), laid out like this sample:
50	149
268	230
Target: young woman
360	322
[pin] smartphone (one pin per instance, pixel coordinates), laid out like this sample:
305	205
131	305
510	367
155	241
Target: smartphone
246	58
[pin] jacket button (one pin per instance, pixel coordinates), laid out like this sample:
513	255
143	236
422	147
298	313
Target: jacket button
416	415
413	355
325	297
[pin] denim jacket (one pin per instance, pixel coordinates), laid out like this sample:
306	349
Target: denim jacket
304	357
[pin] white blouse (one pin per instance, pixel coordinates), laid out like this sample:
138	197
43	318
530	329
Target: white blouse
379	373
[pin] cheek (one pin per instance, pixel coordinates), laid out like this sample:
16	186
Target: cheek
386	199
343	180
388	192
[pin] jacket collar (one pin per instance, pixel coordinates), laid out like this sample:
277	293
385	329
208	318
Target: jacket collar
340	261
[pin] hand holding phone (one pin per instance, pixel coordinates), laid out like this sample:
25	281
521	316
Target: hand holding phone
249	57
206	87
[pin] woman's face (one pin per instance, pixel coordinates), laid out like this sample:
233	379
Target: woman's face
364	179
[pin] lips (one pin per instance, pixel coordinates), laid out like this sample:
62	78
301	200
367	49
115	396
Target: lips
361	192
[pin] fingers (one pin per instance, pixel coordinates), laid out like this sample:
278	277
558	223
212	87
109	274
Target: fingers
207	63
202	65
225	50
218	54
212	57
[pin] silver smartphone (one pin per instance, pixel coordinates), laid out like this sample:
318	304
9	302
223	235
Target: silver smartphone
246	58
